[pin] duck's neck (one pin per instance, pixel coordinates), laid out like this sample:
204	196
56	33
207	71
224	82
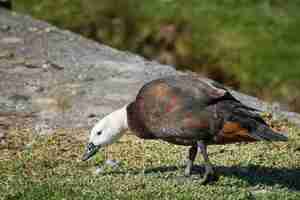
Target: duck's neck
120	118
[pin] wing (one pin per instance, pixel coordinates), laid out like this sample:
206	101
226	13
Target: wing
180	107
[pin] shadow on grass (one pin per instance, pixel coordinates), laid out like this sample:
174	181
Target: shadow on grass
253	174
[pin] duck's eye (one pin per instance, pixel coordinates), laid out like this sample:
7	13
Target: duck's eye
99	133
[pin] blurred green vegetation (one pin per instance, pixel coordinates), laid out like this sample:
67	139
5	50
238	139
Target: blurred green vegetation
249	45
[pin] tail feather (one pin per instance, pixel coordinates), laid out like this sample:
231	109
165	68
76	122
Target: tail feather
263	132
253	122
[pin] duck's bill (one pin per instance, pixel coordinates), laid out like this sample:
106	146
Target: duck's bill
91	150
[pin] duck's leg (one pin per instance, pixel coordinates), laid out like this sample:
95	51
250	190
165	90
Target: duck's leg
209	174
190	160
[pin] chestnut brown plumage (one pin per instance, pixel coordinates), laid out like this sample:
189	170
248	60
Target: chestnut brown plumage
197	112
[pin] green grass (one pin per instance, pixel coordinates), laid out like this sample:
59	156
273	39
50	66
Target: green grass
249	44
49	167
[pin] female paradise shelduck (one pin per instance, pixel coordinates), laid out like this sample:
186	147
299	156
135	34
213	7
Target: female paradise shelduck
184	110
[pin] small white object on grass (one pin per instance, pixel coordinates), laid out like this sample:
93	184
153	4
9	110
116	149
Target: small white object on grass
99	170
112	163
109	162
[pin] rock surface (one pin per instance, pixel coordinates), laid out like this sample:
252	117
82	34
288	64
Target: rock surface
64	80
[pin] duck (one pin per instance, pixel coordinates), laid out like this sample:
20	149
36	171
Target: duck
184	110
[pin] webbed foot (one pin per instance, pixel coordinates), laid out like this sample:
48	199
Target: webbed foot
209	175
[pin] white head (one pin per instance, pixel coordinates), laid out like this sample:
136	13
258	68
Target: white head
107	131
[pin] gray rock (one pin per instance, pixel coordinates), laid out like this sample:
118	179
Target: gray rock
67	78
11	40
